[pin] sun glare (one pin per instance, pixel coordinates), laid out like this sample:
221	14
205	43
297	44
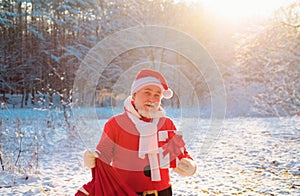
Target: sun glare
242	9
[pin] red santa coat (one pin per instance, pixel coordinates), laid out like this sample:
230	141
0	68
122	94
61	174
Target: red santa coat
119	147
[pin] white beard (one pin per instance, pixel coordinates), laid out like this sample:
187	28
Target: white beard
151	113
147	114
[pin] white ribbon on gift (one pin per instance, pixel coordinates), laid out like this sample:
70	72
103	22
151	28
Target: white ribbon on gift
164	161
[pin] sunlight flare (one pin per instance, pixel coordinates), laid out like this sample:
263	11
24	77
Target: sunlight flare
242	9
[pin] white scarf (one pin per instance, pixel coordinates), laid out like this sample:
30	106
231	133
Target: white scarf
148	143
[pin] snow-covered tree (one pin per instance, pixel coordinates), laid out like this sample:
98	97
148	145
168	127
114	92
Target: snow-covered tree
270	62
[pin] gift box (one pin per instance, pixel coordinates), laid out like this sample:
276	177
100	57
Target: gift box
172	148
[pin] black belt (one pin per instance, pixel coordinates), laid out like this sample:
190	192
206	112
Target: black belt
165	192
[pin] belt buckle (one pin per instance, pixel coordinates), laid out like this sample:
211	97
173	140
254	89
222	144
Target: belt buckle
155	192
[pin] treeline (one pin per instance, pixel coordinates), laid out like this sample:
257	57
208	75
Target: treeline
43	42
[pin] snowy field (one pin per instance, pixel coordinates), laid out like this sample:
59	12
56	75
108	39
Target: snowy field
251	156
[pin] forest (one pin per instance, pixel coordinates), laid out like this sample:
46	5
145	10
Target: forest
44	42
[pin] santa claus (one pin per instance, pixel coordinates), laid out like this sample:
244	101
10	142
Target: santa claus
135	145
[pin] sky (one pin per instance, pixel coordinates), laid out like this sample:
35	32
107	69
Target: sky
241	9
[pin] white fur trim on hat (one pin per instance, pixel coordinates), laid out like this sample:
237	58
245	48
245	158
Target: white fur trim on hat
142	82
151	77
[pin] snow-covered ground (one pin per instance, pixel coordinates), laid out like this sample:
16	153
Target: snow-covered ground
251	156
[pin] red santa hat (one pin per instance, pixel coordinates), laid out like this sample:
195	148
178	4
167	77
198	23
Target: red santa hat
150	77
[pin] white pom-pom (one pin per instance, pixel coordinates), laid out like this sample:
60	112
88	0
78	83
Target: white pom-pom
167	94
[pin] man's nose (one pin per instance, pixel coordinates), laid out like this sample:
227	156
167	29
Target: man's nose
152	98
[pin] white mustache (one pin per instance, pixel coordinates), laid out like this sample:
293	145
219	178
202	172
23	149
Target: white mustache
151	104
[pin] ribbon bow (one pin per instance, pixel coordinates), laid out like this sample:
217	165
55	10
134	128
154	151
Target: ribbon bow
174	148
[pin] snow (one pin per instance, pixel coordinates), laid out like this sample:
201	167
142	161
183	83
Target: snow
251	156
35	32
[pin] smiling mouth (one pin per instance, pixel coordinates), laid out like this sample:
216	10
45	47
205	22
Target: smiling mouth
149	105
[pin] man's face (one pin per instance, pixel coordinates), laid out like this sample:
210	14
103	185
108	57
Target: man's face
147	100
